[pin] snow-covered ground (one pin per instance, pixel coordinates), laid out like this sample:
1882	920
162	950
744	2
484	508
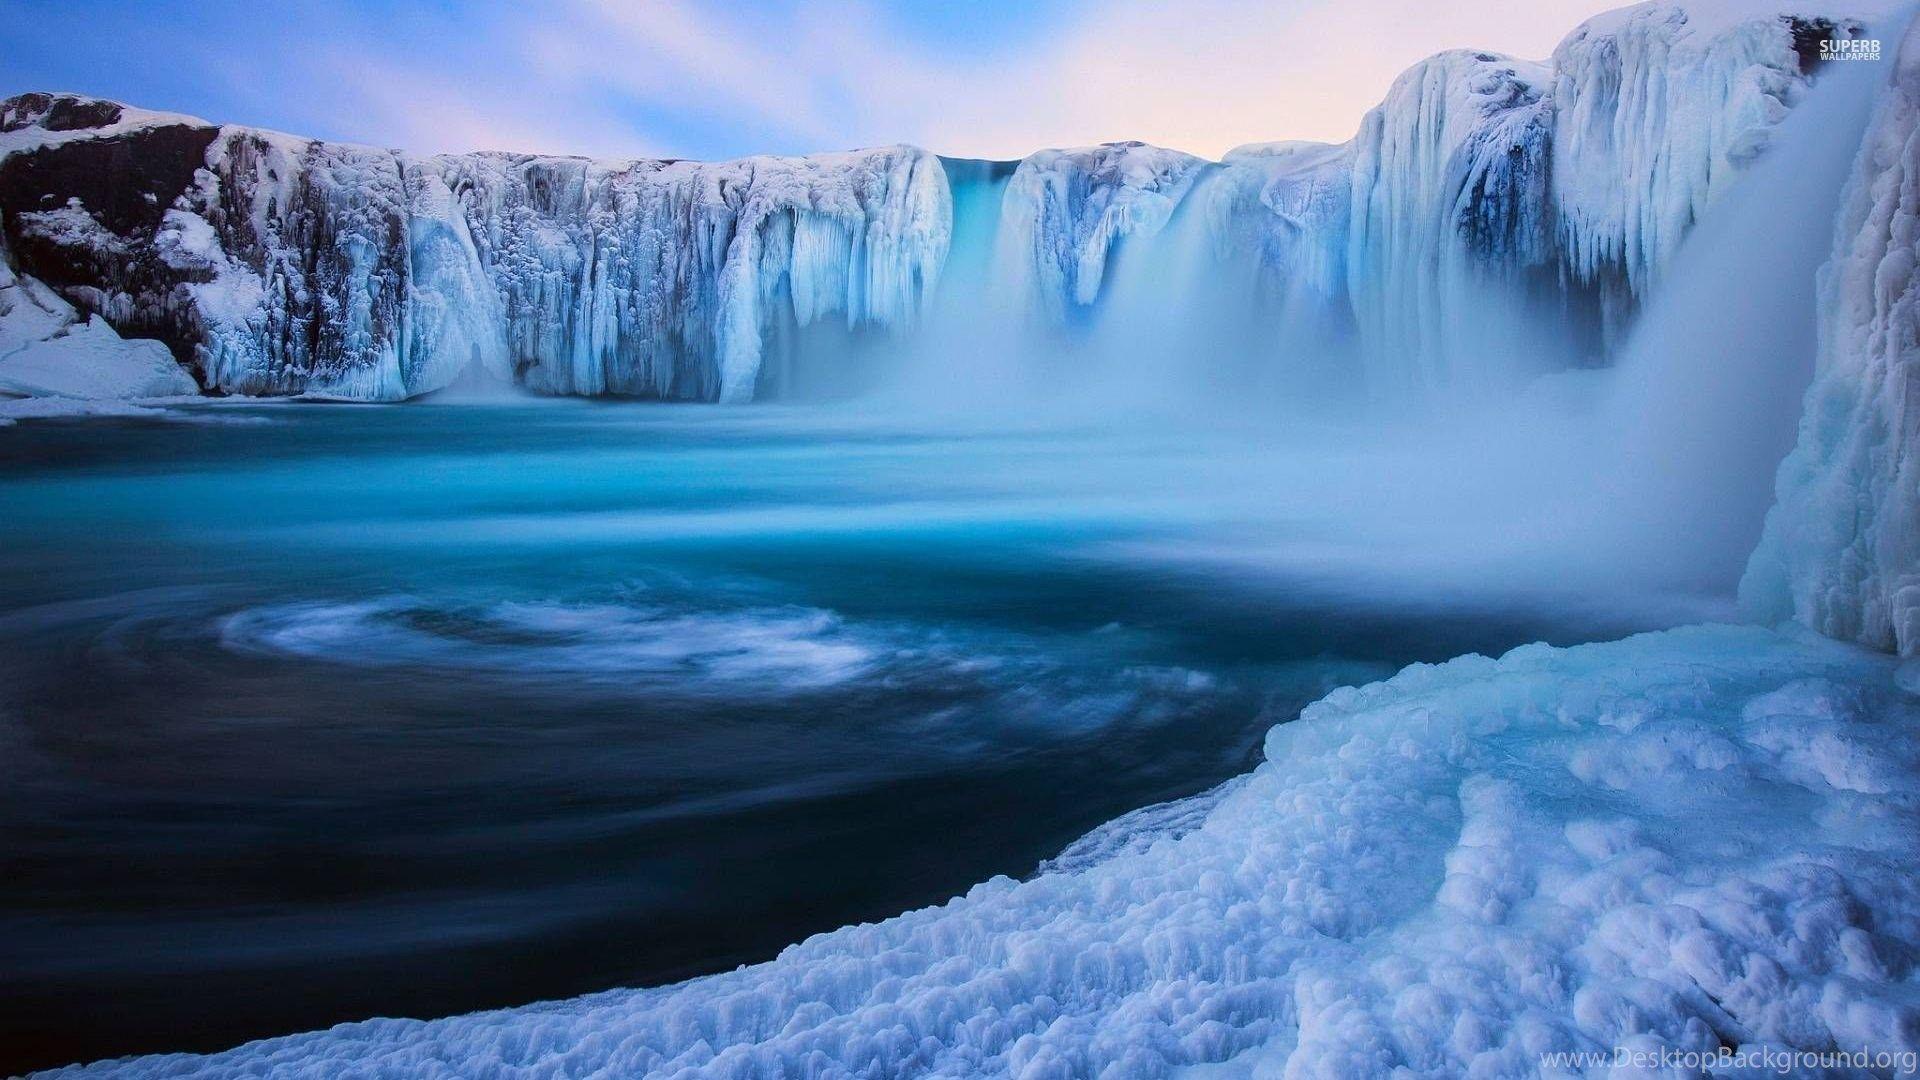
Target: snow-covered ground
1685	840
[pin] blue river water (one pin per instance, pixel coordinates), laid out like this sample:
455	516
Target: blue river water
315	713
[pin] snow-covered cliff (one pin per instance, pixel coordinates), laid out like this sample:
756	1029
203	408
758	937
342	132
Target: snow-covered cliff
279	265
1841	551
1489	212
1065	212
1493	217
48	350
1450	197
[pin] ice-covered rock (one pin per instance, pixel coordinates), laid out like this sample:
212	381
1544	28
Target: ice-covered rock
1065	212
1841	552
1493	217
1683	841
1451	199
49	350
1658	108
280	265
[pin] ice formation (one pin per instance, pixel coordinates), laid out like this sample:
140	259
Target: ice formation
1066	211
1450	187
1488	212
1658	107
1492	218
50	351
279	265
1450	873
1842	546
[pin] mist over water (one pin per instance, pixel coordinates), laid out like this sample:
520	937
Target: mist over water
1526	472
431	708
1709	390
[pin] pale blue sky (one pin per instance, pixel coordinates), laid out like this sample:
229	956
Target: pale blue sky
687	78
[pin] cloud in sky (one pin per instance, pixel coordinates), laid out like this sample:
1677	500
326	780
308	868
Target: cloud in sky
708	79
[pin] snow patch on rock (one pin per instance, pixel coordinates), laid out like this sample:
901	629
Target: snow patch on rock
48	350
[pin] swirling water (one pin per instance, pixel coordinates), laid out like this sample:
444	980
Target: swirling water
314	713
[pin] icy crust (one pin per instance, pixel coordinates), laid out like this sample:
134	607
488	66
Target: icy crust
1841	551
49	350
1065	212
283	265
669	279
1697	838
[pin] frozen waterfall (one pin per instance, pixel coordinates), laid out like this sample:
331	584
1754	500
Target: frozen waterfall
1841	551
1492	219
278	265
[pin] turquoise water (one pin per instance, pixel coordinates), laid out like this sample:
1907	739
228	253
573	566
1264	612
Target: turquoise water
314	713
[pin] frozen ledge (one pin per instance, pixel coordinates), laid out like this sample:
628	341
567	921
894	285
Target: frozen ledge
1689	839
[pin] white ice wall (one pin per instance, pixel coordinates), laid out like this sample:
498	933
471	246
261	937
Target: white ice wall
1450	190
1486	199
658	279
1500	216
1841	552
1658	108
1065	211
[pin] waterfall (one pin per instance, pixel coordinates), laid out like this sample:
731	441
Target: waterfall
968	352
1709	386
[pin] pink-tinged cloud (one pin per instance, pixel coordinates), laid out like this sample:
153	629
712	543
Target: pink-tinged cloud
1202	76
700	78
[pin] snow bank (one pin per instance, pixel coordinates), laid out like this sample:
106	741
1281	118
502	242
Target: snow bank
88	360
1698	838
48	350
1841	551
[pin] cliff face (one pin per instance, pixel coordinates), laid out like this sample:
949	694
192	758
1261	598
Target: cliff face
276	265
1493	211
1487	213
1841	551
1492	218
